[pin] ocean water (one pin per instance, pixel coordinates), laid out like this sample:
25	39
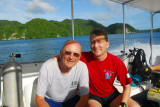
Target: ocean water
43	49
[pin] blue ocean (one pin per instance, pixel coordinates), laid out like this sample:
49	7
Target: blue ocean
43	49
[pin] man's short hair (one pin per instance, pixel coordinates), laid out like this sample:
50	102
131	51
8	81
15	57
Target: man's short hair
99	32
69	42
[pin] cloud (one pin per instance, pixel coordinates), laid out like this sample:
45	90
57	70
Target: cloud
116	8
39	7
29	16
97	2
131	23
100	2
112	9
107	3
102	16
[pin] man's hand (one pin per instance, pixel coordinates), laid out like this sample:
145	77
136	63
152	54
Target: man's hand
41	102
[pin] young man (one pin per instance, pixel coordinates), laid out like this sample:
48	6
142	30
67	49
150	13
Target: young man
103	68
63	78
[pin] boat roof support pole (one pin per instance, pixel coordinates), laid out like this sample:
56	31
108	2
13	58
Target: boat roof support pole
72	20
151	14
123	29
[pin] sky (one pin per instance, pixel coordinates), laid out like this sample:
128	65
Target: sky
104	12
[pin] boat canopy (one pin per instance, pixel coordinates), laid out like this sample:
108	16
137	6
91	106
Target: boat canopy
152	6
147	5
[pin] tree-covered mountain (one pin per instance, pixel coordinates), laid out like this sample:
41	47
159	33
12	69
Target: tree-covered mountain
41	28
9	23
117	28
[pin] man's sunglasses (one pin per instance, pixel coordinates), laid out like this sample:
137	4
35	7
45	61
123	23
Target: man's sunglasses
69	53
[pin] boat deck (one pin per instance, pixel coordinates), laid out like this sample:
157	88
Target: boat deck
29	82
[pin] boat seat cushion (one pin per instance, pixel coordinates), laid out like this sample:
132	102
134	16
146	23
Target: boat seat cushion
30	94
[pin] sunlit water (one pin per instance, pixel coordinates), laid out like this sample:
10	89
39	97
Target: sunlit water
42	49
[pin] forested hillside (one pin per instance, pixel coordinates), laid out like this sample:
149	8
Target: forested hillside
41	28
117	28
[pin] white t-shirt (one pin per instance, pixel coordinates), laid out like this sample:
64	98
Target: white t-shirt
61	87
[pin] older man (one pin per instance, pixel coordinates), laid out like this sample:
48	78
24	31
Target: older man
60	80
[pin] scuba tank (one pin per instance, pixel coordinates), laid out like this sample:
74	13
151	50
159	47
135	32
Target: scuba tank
131	57
12	83
124	58
128	59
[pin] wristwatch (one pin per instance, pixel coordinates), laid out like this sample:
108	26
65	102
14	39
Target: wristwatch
123	104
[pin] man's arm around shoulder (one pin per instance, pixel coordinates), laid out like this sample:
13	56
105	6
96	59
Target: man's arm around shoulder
41	102
83	101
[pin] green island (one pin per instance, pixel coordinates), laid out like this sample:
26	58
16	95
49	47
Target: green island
41	28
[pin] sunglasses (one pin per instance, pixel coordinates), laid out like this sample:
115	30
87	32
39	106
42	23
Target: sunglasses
69	53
